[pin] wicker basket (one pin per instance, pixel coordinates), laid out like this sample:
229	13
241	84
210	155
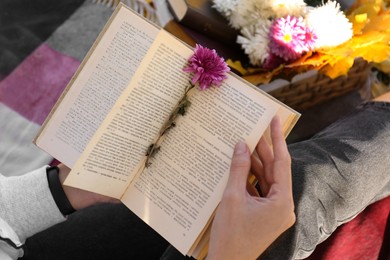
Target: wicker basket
312	88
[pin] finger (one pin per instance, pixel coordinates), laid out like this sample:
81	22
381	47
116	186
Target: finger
239	168
278	140
258	172
282	160
264	151
266	157
257	167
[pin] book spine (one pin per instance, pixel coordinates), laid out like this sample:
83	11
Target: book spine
211	27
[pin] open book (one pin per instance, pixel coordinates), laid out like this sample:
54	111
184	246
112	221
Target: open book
113	109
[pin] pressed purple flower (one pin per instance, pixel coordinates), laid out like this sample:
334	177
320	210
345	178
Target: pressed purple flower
290	37
208	68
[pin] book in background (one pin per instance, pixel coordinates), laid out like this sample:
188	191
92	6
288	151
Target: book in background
200	16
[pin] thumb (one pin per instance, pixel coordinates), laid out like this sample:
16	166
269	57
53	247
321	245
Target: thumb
239	168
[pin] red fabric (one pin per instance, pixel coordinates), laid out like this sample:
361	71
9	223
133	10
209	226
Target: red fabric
361	238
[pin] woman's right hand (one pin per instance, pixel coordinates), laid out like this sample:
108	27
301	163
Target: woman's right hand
245	224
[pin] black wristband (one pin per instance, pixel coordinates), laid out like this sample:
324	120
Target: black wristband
57	191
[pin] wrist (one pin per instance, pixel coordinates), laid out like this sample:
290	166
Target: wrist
77	197
59	195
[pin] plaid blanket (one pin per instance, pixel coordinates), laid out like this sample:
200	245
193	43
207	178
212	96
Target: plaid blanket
42	43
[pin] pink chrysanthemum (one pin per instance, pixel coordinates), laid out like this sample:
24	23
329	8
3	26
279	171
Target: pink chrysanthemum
208	68
290	37
310	39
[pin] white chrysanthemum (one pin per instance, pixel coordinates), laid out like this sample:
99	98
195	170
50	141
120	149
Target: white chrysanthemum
283	8
249	12
254	40
329	24
225	7
264	9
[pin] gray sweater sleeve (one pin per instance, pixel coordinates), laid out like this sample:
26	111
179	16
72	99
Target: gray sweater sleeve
26	203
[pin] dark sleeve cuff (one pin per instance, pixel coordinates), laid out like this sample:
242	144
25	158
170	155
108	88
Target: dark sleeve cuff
57	191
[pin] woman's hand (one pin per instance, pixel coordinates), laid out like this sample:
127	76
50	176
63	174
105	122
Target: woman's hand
245	223
81	198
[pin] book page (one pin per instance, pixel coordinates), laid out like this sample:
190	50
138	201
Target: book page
178	193
117	151
102	77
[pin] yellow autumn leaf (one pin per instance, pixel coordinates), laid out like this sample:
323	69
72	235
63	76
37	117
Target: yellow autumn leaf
236	66
340	68
379	23
366	6
372	46
377	52
374	51
362	13
359	22
316	60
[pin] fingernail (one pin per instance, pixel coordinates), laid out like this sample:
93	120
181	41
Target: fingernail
240	148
